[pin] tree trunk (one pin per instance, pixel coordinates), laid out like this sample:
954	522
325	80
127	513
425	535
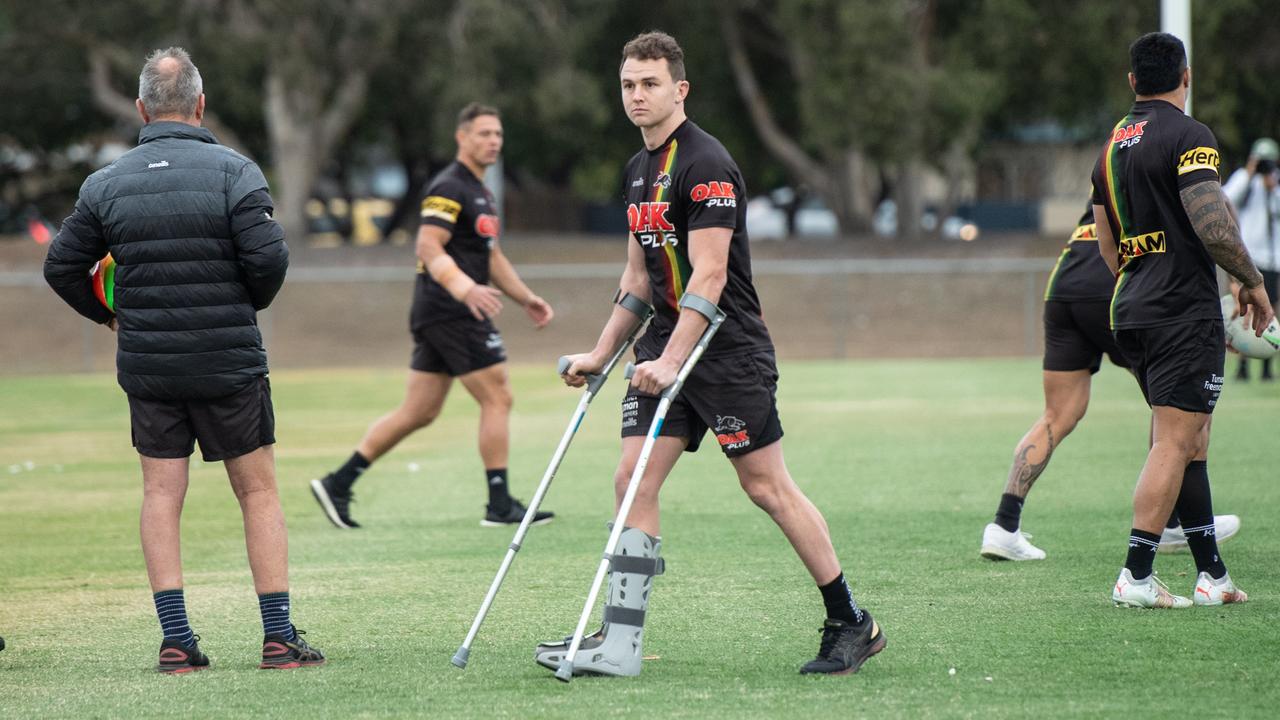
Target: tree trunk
908	198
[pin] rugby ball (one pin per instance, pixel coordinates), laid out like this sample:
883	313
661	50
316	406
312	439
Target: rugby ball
1240	335
103	276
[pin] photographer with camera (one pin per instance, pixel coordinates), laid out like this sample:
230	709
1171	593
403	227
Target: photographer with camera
1255	192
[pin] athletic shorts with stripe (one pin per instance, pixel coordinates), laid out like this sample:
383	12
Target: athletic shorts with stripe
457	347
1077	334
226	427
734	397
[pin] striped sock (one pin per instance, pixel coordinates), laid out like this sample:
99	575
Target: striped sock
1142	553
171	608
275	615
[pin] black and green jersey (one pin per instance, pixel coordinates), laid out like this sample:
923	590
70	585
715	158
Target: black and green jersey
457	201
1080	274
688	183
1166	275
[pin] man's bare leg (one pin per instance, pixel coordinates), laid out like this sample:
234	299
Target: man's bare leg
424	397
164	488
491	389
763	475
1178	437
1066	397
253	479
644	513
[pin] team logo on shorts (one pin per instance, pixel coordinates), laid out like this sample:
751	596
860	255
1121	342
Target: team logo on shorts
731	432
494	342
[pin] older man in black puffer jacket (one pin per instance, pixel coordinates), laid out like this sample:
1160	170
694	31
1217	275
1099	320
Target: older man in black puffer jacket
188	222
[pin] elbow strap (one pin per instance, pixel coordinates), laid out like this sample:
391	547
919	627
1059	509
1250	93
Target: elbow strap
633	304
700	305
445	271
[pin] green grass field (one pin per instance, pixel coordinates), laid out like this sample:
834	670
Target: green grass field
905	458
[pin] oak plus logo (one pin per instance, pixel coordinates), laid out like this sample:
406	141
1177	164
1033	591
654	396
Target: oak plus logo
1129	135
487	226
731	432
649	223
716	193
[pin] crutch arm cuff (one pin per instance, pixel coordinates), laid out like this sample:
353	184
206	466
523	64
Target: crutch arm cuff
633	304
701	305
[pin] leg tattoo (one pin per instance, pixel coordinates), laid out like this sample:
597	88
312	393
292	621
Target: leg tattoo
1024	473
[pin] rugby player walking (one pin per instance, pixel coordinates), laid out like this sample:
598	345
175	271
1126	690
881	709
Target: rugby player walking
1162	223
1077	334
688	242
454	337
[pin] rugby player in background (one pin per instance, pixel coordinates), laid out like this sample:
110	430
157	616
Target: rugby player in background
1077	334
1162	223
454	337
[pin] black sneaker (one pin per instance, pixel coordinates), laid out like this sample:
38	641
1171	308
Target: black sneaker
281	654
845	647
514	515
336	506
177	658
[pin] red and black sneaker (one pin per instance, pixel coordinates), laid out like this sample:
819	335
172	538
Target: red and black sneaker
178	658
281	654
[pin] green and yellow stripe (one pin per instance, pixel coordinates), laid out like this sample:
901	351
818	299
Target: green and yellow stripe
678	268
1117	205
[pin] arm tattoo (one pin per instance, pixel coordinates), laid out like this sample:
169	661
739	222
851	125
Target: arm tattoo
1024	473
1211	216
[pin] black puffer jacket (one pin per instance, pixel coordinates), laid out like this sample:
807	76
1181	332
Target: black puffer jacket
189	224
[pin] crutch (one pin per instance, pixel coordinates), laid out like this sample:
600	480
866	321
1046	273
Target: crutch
715	318
643	311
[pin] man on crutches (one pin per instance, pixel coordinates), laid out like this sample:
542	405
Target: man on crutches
688	256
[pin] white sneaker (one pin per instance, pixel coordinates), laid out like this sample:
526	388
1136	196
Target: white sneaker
1217	592
1000	544
1150	593
1173	540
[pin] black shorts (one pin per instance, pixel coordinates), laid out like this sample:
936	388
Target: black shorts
226	427
1178	365
1077	334
457	347
733	396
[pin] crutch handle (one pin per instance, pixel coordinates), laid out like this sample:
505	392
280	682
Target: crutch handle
629	370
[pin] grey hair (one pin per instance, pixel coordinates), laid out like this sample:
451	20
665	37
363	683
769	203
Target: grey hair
165	92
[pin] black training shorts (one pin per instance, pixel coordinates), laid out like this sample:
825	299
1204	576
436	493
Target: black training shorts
1178	365
227	427
1077	335
733	396
457	347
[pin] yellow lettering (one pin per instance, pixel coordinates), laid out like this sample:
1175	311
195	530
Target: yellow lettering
1139	245
1201	158
441	208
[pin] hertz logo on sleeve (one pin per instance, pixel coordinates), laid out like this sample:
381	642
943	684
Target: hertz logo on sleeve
441	208
1201	158
1139	245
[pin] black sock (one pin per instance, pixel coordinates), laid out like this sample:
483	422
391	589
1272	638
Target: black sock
1174	520
1142	552
839	601
499	495
1195	503
1009	514
347	475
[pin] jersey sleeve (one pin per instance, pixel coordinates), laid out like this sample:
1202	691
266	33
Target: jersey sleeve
1099	196
443	205
1197	156
710	190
